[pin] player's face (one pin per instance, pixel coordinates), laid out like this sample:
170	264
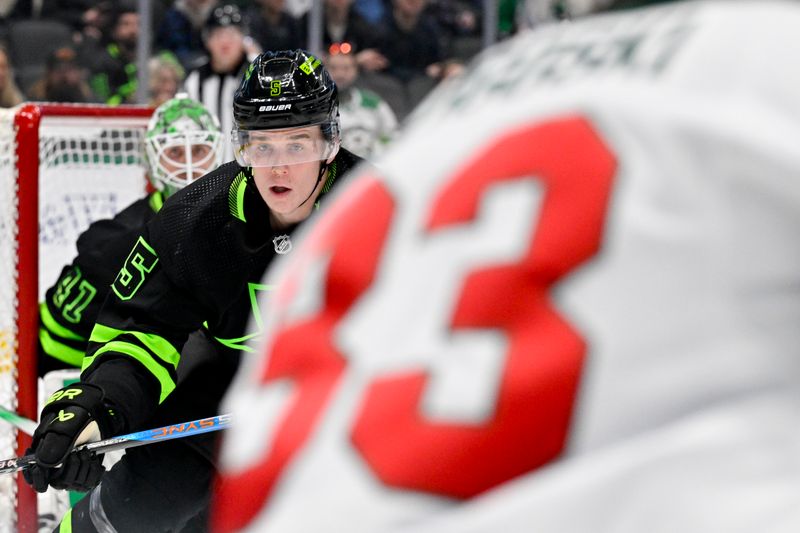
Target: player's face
343	69
287	185
226	46
127	29
178	162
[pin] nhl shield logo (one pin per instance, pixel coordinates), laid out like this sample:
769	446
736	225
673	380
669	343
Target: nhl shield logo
282	244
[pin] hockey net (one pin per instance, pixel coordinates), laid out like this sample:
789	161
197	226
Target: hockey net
61	168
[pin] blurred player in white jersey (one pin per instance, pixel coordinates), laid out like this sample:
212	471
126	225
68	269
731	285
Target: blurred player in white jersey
570	303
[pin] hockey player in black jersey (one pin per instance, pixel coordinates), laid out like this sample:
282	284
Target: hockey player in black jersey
197	264
183	142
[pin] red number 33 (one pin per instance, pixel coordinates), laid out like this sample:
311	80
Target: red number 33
542	355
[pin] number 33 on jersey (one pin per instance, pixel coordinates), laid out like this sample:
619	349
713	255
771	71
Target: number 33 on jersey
579	247
471	380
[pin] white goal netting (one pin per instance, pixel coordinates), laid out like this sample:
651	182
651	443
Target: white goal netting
8	389
89	167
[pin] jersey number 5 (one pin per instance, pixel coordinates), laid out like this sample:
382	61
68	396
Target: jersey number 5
139	263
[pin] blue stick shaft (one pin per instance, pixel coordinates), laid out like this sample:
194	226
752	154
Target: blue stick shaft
140	438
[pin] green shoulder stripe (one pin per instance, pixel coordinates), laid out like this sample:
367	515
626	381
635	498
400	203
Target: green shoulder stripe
236	196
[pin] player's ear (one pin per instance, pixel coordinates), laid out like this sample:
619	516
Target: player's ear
331	157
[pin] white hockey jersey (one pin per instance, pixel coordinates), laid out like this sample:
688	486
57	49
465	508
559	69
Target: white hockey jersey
569	303
367	123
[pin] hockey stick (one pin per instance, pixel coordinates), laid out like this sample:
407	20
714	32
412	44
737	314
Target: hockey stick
140	438
23	424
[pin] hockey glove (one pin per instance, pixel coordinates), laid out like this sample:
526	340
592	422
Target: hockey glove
72	416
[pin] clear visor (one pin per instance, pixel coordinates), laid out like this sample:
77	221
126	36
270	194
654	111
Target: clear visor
179	158
274	148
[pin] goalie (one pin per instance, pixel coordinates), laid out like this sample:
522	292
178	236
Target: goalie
183	142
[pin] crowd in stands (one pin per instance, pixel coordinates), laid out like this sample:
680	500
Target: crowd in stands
85	51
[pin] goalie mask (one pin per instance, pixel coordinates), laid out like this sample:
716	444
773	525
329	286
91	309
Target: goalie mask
281	96
183	142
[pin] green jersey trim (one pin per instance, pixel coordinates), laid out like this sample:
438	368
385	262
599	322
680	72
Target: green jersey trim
161	347
58	350
154	346
144	357
57	329
253	289
66	523
236	196
331	178
156	201
240	343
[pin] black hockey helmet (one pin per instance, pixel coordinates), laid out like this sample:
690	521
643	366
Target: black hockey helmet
280	91
285	89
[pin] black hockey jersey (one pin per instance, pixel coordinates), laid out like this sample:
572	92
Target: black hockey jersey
197	264
70	308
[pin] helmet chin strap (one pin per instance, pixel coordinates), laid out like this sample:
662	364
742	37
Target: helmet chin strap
322	168
324	164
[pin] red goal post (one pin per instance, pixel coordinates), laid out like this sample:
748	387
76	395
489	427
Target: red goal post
62	166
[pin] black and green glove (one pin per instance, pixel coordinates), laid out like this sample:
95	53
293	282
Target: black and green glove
72	416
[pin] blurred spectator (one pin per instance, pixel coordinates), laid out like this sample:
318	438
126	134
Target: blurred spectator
297	8
458	17
9	92
181	30
342	23
536	12
95	26
410	44
462	23
6	7
372	10
367	121
166	77
273	27
114	76
70	12
215	80
410	41
64	80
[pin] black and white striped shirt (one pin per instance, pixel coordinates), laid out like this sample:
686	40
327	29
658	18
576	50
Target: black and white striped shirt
215	90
